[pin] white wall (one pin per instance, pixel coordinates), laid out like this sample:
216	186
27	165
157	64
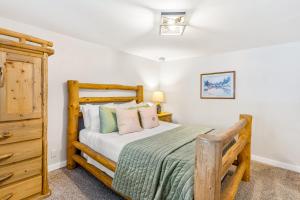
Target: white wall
79	60
268	87
268	82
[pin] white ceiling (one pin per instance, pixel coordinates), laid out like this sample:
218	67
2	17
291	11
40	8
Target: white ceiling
214	26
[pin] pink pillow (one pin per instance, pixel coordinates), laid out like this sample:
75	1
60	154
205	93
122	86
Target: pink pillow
128	121
149	117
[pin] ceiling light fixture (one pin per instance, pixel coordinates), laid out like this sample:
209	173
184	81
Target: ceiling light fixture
172	23
162	59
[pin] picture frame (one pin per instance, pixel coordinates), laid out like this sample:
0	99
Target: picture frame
218	85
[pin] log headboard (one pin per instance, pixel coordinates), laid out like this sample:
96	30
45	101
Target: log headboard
75	100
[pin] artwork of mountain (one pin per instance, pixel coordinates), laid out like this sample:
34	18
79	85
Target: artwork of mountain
224	85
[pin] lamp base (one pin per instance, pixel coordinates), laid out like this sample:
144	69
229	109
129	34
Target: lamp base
158	108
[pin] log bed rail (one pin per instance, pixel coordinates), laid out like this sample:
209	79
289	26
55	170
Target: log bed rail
210	165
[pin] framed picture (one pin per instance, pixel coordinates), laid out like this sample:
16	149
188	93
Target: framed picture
219	85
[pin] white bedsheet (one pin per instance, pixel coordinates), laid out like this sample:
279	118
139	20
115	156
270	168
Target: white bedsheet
110	145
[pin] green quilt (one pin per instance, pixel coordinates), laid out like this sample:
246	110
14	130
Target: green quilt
159	167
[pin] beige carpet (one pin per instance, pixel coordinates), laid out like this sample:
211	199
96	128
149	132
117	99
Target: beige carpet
267	183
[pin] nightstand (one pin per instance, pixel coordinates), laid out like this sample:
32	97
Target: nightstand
165	116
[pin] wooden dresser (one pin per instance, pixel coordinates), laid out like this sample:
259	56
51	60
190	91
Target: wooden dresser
23	116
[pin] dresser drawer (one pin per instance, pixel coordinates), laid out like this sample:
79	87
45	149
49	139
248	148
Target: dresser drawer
20	170
20	131
22	189
15	152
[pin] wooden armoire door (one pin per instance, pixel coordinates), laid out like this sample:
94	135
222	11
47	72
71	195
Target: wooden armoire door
20	87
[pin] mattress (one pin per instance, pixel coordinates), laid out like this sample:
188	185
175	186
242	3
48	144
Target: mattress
110	145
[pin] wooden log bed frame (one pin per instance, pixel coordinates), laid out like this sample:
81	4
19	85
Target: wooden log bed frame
210	165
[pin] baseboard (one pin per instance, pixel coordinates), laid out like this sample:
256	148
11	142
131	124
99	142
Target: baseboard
58	165
264	160
276	163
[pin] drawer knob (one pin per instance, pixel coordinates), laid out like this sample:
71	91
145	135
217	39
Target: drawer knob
5	176
6	156
5	135
8	196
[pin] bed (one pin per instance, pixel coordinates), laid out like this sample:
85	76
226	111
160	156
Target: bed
210	163
111	145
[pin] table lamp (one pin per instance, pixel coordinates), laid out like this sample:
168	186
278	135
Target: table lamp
158	97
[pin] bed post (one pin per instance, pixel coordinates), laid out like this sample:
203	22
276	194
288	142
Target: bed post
139	94
73	114
208	168
245	155
211	165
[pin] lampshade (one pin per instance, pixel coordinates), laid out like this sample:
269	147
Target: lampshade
158	97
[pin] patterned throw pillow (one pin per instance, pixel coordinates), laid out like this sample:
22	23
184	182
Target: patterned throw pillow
149	117
128	121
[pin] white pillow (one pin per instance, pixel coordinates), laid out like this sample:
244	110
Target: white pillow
94	118
91	117
148	103
125	105
149	117
84	109
139	105
128	121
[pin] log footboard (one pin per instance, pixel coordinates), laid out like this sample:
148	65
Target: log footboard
211	166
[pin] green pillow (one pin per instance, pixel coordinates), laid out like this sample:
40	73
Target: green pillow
108	120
